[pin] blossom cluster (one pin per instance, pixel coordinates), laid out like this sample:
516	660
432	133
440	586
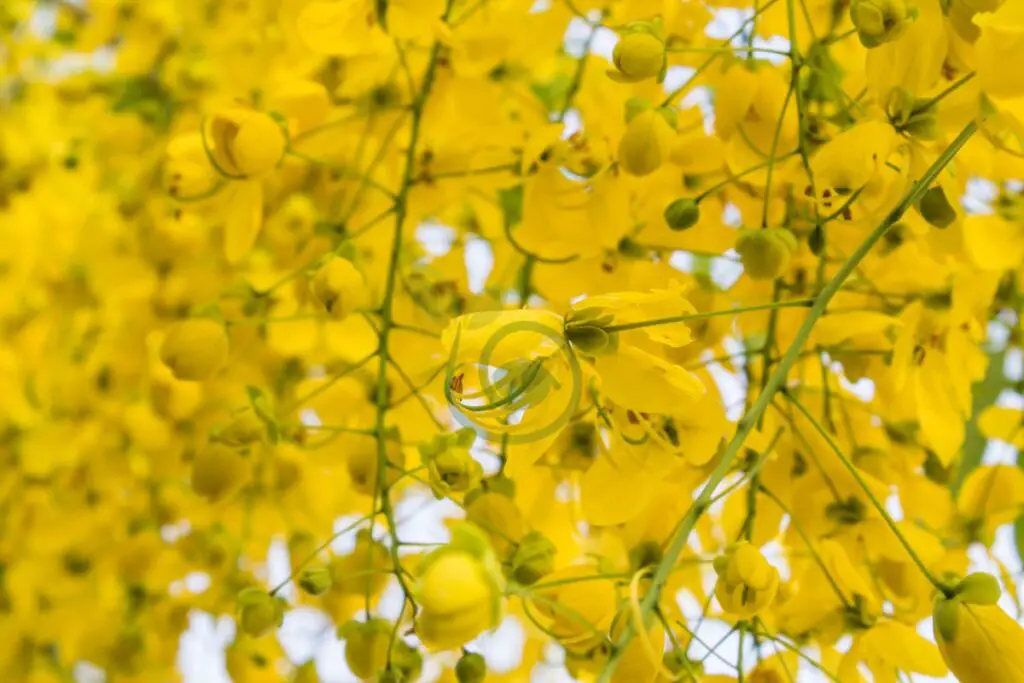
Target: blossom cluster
678	330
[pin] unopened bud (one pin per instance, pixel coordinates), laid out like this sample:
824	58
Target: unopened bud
766	253
936	209
315	580
259	611
881	21
471	668
195	349
682	214
533	559
638	56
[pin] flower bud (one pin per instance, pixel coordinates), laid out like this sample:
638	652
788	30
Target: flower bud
644	146
881	21
195	349
406	664
366	646
747	583
638	56
588	338
218	471
259	611
246	143
471	668
533	559
766	253
315	580
682	214
979	643
340	287
450	466
936	209
459	589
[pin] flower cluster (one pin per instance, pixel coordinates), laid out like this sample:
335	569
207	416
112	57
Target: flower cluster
588	321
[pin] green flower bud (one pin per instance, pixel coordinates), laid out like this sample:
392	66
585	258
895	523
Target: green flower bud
881	21
644	146
471	668
590	339
451	468
638	56
366	646
936	209
533	559
978	589
766	253
682	214
406	662
259	611
315	580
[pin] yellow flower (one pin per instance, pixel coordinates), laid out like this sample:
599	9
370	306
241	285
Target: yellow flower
646	144
340	287
1001	44
638	55
747	583
890	647
246	143
218	472
979	641
458	589
195	349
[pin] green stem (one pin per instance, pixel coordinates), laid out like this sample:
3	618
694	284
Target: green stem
810	546
735	177
319	549
708	62
776	136
387	314
776	381
801	303
855	473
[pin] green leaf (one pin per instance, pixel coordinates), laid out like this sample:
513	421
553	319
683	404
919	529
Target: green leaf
382	13
984	394
511	200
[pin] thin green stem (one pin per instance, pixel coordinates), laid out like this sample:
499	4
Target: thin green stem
879	507
710	60
382	486
802	303
772	156
807	542
736	176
